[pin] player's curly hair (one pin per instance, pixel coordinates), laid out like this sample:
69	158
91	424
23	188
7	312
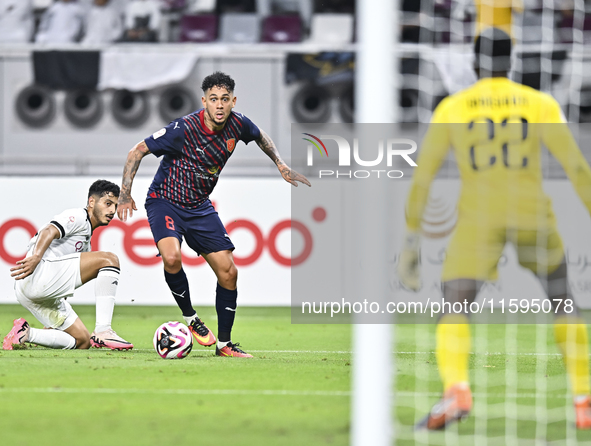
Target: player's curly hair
103	187
218	79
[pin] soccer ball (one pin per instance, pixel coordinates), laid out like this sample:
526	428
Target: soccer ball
173	340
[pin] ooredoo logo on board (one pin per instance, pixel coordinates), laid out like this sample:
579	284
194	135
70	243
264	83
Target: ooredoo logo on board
134	238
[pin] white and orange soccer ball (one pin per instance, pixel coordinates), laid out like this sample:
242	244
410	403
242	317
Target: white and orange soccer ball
173	340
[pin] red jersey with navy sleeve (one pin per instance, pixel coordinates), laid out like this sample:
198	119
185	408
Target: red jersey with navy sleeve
194	156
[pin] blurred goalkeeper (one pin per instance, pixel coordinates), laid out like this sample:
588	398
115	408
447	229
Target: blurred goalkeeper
494	129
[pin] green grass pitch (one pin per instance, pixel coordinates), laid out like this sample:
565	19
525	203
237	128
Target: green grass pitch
295	391
519	383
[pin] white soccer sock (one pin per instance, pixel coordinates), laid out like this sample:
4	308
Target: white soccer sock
189	319
222	344
51	338
105	289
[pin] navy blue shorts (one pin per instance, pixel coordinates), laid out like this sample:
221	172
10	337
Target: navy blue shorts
201	227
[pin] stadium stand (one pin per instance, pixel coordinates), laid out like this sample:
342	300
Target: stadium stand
282	29
142	21
62	22
103	23
16	21
230	6
200	6
331	28
239	28
173	5
199	28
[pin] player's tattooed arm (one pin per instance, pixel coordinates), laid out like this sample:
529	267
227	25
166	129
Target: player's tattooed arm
134	158
268	146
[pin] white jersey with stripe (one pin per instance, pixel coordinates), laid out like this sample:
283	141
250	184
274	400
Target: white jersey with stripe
75	233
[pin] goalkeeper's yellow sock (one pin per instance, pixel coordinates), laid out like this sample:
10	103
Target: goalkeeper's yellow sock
574	344
452	349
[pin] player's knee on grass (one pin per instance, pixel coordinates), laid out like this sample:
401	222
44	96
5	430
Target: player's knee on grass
83	343
80	333
82	337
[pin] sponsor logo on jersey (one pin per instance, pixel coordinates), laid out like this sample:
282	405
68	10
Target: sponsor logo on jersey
231	144
205	176
213	170
72	218
159	133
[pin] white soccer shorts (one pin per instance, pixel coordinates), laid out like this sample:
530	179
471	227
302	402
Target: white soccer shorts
44	292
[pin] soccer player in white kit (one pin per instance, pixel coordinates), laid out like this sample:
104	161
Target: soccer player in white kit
58	261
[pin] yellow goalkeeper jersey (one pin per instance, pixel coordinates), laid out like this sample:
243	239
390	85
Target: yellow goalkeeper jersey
497	128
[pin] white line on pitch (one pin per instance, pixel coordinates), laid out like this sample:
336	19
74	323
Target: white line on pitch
486	353
175	391
404	394
406	353
302	351
348	352
259	351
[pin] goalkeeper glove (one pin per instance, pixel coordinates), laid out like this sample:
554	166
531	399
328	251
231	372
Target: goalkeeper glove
408	263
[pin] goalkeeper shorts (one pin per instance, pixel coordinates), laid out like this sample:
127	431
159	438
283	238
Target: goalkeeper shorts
474	251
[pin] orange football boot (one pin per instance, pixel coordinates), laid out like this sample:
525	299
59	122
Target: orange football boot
232	350
201	333
455	405
583	413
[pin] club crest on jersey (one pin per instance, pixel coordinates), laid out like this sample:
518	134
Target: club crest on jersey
231	144
213	170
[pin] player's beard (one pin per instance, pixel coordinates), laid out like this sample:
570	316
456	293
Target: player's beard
100	217
214	119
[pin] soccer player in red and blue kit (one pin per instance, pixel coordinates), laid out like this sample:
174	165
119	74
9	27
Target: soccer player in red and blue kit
195	149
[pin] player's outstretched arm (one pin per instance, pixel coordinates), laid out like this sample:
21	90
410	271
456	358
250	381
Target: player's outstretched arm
434	148
134	158
291	176
26	266
562	145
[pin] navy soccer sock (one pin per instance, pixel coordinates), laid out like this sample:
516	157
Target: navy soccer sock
225	306
179	287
